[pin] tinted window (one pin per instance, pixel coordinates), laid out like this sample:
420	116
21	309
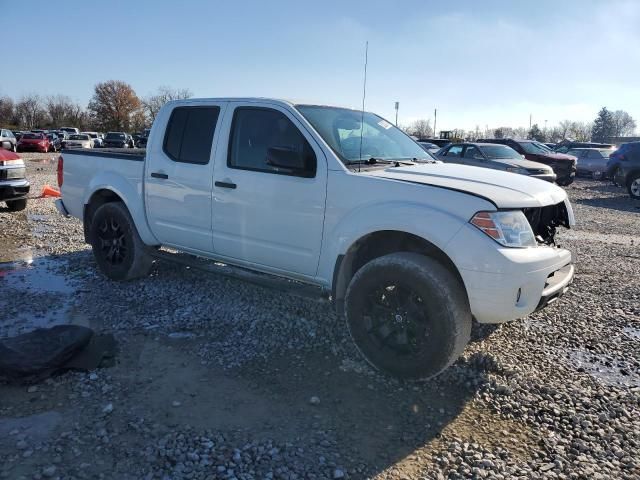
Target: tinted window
471	151
189	134
500	151
259	133
454	151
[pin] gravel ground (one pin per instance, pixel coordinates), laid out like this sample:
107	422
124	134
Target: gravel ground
219	378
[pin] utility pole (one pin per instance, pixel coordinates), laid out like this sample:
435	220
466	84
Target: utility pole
435	120
397	106
545	126
529	121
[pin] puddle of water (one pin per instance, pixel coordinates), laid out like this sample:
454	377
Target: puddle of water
611	372
632	332
37	276
41	224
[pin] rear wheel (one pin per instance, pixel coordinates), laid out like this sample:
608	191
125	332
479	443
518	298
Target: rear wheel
17	205
408	315
117	246
634	186
565	182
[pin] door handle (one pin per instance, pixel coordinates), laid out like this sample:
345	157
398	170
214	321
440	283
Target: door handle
226	185
164	176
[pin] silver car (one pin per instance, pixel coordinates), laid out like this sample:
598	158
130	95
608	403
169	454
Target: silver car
496	156
7	140
591	162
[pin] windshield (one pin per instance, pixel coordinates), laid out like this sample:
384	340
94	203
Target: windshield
343	130
535	147
500	151
115	136
79	137
31	136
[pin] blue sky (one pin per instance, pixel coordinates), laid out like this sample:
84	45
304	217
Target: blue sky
479	62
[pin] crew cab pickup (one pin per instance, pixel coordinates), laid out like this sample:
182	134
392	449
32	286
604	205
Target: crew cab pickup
409	249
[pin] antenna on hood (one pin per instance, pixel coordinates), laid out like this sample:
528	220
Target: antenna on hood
364	96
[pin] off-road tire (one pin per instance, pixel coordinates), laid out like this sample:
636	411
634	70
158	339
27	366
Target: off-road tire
437	300
17	205
633	186
112	221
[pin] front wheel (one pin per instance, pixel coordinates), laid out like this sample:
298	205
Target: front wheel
117	246
17	205
634	186
408	315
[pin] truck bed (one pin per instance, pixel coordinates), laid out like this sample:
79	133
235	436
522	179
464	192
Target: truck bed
122	153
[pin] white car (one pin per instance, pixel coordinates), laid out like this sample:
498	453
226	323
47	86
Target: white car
79	140
96	137
410	252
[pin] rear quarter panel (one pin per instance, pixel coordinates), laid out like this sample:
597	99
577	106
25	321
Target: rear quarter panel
85	174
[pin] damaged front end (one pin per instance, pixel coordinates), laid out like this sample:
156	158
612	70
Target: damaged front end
545	220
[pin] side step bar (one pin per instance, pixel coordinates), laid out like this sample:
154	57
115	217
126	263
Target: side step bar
265	280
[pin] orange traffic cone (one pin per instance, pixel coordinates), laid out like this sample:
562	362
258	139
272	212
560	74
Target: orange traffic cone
49	191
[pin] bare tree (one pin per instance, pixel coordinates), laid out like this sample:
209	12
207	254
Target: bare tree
520	133
64	111
420	129
153	103
503	132
581	131
7	112
623	124
114	105
29	112
564	128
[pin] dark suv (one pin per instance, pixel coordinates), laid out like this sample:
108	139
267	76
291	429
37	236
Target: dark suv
627	173
564	166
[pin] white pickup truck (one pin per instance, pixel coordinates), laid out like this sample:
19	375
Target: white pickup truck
409	249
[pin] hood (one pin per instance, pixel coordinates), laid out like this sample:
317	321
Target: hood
503	189
551	156
529	164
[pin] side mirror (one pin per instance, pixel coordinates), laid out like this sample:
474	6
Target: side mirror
301	164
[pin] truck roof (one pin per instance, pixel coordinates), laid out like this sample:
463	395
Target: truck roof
277	101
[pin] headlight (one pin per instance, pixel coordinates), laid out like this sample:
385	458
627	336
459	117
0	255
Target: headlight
13	173
510	228
521	171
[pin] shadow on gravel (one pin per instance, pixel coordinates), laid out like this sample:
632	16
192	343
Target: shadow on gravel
621	201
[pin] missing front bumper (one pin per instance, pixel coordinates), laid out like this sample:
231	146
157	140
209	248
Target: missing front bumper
557	285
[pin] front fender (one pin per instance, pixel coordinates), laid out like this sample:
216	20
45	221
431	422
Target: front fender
434	225
131	194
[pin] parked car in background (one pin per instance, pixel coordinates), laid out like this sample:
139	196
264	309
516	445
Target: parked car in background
440	142
552	146
624	167
69	130
142	142
95	137
56	142
411	252
591	162
14	187
38	130
79	140
566	145
34	142
432	148
564	166
116	140
8	140
498	157
17	134
63	136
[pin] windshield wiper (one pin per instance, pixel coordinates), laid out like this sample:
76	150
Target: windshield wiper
369	161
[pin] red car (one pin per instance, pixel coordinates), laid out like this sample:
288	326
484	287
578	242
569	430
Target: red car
34	142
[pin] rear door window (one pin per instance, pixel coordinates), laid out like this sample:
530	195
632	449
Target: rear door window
189	134
455	151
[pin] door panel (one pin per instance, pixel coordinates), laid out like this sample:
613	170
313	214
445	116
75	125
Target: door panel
268	218
179	176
